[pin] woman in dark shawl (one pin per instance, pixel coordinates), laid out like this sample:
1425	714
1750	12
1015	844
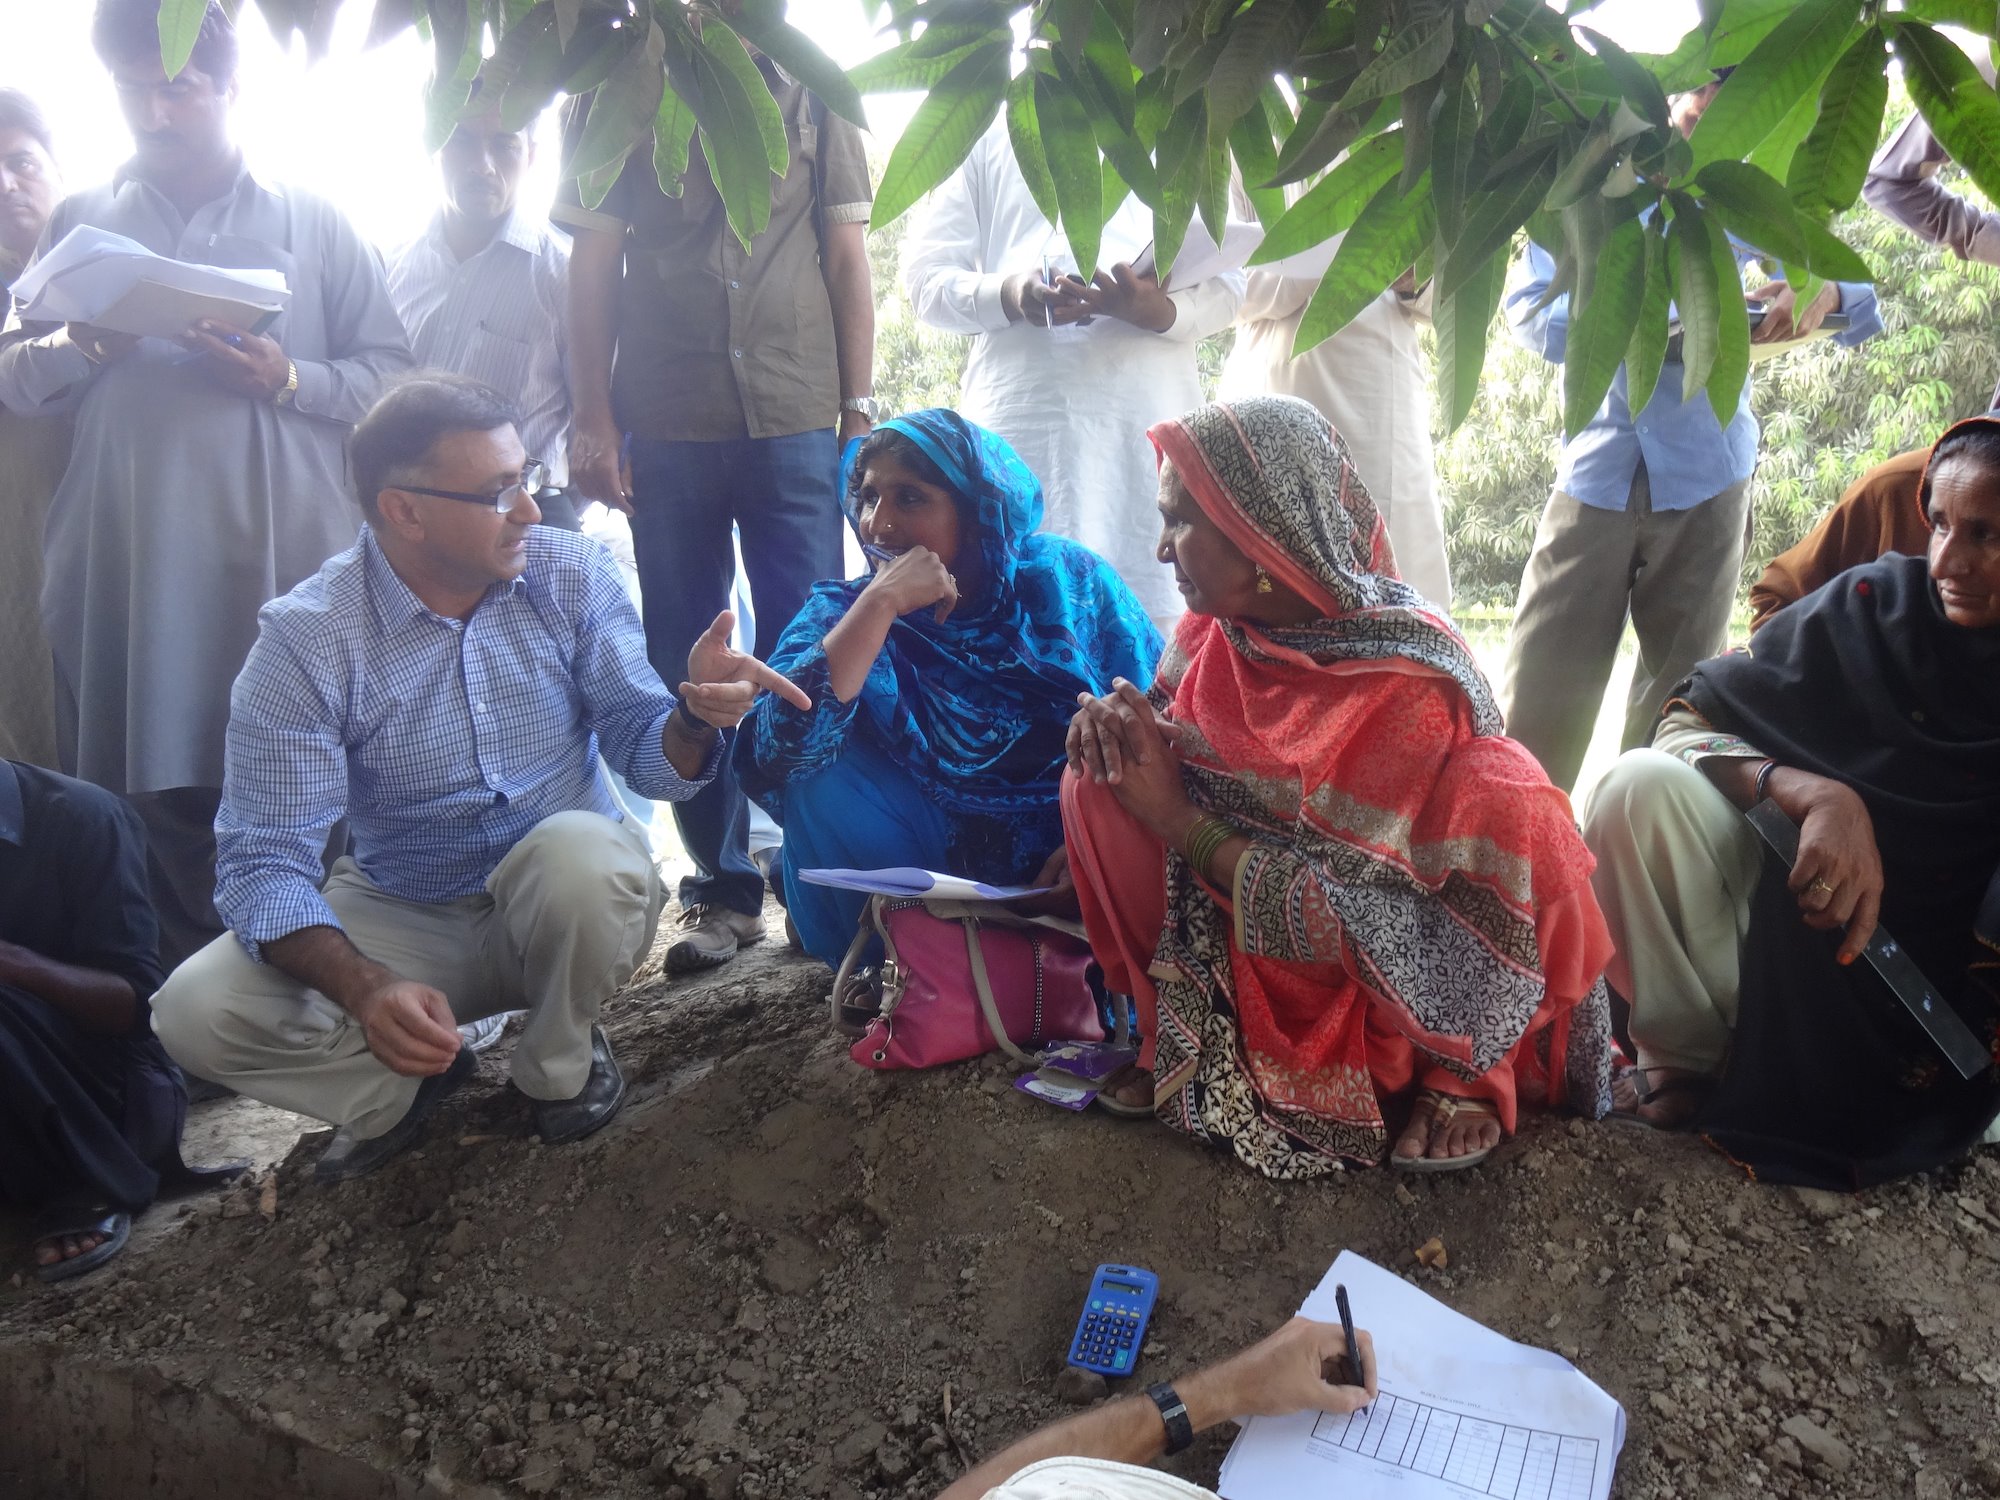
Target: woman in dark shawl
1869	713
942	681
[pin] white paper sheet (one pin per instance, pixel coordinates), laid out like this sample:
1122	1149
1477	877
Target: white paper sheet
97	277
908	881
1462	1412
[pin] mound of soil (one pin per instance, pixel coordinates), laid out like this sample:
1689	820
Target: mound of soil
778	1275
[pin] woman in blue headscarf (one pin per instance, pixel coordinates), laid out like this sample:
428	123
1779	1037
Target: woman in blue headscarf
942	683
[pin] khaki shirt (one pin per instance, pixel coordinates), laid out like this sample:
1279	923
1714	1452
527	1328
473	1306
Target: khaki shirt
715	342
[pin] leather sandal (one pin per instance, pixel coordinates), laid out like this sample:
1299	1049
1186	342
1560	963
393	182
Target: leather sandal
1443	1109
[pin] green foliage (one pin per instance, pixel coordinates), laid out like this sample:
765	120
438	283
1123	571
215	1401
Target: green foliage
1827	414
1502	113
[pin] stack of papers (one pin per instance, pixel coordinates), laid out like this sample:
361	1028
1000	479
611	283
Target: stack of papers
905	881
1462	1412
104	279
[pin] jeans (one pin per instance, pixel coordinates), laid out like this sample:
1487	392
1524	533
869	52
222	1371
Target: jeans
686	498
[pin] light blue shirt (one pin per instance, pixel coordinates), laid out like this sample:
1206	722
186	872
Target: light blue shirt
1689	456
442	742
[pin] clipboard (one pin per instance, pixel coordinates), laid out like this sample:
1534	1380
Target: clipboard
1943	1025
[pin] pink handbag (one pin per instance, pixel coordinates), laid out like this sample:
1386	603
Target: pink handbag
964	978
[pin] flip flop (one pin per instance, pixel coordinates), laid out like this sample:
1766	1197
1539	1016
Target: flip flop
1690	1086
73	1220
1443	1109
1117	1108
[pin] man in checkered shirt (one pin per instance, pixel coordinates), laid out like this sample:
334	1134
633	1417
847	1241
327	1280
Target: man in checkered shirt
446	686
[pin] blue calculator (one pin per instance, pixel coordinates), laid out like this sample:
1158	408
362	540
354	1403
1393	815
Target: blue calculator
1113	1325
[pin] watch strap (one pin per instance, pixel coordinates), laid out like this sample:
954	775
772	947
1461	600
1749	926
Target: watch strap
289	391
866	406
1173	1412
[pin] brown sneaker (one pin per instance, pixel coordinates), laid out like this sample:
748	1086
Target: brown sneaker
708	937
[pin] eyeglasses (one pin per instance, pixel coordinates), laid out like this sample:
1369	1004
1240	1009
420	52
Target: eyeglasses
506	500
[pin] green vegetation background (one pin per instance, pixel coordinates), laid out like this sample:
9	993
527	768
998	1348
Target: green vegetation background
1827	414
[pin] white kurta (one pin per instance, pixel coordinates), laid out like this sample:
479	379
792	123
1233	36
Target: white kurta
1074	402
1369	381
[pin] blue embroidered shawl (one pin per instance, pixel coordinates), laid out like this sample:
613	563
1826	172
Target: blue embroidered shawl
975	709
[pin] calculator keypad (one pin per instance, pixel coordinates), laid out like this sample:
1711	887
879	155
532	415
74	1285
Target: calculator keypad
1108	1337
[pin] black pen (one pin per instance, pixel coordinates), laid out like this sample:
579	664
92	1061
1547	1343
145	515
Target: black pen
1347	1329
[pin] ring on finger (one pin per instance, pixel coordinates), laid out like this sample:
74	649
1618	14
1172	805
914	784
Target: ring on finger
1820	886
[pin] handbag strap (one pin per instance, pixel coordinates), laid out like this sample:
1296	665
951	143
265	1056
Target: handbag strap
870	925
988	1006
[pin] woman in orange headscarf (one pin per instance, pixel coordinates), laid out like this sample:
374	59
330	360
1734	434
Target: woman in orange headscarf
1329	880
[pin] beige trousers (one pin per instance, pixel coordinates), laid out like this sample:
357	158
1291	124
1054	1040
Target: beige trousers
1673	572
1676	868
564	920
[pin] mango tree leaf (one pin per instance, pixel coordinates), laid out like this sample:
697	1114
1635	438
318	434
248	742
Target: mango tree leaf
732	141
1260	41
726	48
568	12
1024	131
1414	52
1179	190
1318	138
1106	69
1981	16
180	28
455	30
943	131
800	56
1761	214
1832	162
1415	104
1600	330
1639	87
1769	82
1732	334
1697	294
1386	240
1116	131
899	71
1454	120
1212	192
1462	321
1332	204
1252	141
1648	348
1957	104
1071	147
673	131
1775	152
526	68
1492	217
1591	163
623	108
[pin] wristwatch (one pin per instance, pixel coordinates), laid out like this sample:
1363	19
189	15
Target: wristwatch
288	392
864	406
1173	1412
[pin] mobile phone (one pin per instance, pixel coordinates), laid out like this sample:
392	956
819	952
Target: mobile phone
1112	1327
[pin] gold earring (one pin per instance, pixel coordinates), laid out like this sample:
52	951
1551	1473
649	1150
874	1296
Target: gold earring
1263	582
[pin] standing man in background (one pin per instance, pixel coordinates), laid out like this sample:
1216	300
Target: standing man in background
727	370
207	475
1070	374
33	451
1649	521
1369	380
484	291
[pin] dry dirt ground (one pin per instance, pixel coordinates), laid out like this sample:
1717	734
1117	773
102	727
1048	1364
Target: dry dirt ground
777	1275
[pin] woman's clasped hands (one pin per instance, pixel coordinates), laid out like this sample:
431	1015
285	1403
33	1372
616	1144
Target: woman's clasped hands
1122	741
911	580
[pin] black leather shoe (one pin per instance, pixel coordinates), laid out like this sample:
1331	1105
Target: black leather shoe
560	1120
347	1157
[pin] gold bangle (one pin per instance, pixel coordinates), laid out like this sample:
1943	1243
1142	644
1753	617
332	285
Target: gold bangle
1208	835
